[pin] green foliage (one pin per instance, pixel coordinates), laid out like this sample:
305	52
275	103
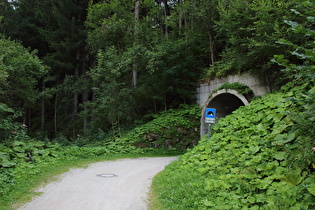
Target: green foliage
110	24
23	160
177	129
169	46
20	70
240	88
304	70
167	65
23	157
248	32
167	75
171	74
300	65
56	30
113	102
258	157
8	123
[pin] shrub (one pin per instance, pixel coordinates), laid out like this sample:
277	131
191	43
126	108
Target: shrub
176	129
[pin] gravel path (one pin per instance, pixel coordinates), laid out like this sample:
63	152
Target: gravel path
110	185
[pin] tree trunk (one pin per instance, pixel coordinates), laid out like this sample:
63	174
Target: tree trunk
25	115
155	107
85	108
6	5
85	98
166	14
42	117
42	121
29	117
74	114
210	36
136	32
75	97
180	21
165	104
211	46
55	115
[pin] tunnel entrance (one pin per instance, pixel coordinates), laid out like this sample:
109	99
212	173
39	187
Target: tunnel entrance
225	102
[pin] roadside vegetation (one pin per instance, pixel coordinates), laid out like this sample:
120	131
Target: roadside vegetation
260	157
26	163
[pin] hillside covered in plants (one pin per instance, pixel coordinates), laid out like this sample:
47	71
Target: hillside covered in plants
260	157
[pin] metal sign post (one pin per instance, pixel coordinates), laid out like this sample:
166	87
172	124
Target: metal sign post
209	129
210	118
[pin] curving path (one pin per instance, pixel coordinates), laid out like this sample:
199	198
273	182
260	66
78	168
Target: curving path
110	185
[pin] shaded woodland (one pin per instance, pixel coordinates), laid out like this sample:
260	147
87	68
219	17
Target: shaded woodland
76	67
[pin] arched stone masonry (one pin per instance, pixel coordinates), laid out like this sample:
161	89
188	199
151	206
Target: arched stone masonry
257	85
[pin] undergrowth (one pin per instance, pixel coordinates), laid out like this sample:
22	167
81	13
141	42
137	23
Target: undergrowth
25	163
239	87
260	157
178	129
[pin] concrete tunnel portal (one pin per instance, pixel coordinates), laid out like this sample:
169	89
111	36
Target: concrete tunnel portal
225	101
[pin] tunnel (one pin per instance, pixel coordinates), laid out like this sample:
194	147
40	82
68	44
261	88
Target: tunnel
225	102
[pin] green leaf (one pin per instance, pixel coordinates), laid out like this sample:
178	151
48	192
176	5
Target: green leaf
311	189
255	149
4	160
7	163
280	155
292	179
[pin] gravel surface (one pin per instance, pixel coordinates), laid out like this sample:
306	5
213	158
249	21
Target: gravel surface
110	185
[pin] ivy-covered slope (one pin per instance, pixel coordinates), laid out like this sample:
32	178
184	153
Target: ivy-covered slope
178	129
260	157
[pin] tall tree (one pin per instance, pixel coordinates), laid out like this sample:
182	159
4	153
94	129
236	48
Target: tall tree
20	72
56	29
159	49
113	103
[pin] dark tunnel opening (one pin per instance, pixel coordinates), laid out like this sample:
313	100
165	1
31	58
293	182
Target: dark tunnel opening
225	104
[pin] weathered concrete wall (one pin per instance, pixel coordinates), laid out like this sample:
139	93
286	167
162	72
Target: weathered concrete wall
259	87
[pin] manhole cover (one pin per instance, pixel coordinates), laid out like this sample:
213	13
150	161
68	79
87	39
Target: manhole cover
107	175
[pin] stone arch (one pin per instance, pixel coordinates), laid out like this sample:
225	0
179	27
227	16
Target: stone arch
225	101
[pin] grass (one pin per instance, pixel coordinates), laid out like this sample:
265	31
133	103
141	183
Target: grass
153	203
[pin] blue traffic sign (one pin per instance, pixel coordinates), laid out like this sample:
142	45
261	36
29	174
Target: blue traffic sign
211	113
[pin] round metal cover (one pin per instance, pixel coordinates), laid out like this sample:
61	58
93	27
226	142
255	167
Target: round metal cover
107	175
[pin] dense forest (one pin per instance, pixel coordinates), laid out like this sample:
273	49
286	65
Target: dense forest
85	81
72	68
